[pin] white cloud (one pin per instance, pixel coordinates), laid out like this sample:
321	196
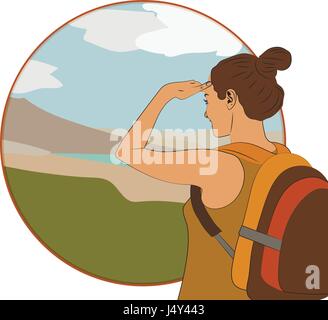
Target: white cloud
187	32
36	75
117	30
164	29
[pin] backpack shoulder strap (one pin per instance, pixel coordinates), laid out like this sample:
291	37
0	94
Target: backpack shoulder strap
205	219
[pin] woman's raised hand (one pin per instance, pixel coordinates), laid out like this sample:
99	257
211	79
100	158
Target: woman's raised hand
183	90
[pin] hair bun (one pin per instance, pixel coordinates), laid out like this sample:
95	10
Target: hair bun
272	60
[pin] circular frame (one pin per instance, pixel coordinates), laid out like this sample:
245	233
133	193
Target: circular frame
4	115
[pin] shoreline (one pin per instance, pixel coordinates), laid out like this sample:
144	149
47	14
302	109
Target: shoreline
124	178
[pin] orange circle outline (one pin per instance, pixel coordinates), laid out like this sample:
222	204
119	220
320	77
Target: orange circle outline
4	115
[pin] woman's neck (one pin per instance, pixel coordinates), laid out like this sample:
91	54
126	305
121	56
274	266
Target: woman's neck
252	131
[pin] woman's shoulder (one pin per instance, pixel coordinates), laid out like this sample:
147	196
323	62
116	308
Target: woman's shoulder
237	165
252	153
225	185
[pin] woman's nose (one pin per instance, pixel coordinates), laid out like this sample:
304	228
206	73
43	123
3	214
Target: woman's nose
205	114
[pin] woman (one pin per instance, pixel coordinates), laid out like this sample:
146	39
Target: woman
241	93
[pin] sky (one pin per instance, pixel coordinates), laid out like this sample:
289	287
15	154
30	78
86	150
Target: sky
104	68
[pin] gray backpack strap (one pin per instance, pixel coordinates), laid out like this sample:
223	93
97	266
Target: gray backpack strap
214	231
260	237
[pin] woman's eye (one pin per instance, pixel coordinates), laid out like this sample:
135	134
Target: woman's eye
205	101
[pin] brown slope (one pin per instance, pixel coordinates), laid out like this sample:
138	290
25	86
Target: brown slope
28	124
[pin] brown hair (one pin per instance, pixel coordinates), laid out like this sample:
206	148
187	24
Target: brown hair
254	81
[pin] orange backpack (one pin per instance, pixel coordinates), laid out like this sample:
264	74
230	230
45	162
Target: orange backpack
281	251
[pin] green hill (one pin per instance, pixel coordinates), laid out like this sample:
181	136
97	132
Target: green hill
88	223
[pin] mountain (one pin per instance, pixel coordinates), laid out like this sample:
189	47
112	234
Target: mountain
10	147
27	124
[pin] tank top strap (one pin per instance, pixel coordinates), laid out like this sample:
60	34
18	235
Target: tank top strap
251	152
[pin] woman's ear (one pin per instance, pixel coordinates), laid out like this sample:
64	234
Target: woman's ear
231	98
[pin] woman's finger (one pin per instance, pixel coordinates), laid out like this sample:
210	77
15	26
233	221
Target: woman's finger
200	87
205	85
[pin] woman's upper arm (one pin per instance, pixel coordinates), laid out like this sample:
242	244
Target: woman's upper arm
196	167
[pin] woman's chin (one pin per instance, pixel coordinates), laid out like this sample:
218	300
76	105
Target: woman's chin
218	134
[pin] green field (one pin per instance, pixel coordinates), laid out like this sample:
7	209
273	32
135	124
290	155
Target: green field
89	224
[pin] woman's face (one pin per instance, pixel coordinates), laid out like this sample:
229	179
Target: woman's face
217	112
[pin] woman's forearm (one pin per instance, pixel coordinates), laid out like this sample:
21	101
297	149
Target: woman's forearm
138	135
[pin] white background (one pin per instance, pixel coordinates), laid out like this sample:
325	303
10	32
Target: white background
27	269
